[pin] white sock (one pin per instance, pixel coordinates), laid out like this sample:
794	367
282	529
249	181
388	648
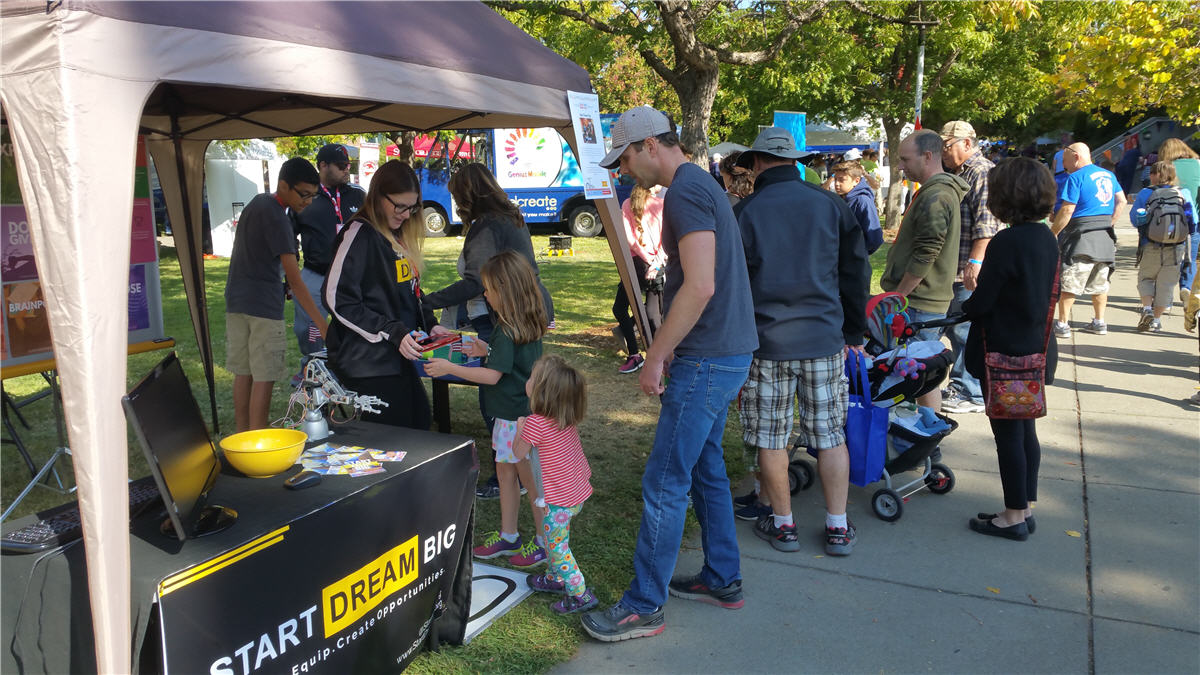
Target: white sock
783	521
835	522
510	538
757	486
1147	310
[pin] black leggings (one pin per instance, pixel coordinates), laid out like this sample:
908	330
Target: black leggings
1019	455
653	302
409	406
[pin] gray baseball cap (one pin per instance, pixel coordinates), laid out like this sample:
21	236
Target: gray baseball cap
635	124
774	141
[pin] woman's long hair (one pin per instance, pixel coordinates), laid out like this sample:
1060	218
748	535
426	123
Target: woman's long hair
476	193
392	178
637	206
513	291
1173	149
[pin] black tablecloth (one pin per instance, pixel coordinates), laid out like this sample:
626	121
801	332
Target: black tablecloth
45	614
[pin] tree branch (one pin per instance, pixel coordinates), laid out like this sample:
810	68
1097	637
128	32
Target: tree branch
795	19
563	10
858	6
936	80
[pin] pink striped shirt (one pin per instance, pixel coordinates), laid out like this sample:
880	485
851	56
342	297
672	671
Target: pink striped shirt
565	471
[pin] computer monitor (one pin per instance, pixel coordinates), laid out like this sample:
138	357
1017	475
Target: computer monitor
166	419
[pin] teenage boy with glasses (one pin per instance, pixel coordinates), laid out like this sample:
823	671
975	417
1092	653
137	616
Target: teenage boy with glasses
264	253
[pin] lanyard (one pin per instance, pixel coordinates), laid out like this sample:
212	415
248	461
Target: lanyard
336	198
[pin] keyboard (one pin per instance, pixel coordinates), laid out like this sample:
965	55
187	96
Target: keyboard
62	525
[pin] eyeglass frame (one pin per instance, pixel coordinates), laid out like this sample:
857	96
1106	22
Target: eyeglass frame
304	196
946	145
397	209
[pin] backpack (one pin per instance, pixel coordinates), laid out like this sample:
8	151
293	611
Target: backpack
1166	221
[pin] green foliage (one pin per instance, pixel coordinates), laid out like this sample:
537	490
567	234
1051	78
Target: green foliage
307	146
1138	56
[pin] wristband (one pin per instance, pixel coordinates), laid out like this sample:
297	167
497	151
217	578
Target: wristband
974	261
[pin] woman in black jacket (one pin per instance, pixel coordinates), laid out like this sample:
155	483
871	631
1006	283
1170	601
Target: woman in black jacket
373	291
1009	311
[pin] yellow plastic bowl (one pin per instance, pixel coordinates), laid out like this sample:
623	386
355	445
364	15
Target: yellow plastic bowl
264	452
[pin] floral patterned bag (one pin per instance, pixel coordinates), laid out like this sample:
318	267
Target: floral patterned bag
1015	387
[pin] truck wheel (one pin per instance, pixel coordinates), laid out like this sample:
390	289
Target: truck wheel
436	222
585	222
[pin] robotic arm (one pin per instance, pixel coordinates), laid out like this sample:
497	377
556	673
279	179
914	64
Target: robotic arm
323	387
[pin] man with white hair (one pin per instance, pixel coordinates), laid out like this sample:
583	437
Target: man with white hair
1088	244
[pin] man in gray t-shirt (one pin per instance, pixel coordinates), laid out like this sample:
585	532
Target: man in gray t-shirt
264	253
705	344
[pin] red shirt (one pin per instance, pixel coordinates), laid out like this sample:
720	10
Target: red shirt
565	471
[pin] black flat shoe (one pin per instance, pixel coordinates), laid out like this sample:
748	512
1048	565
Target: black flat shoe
1028	520
1018	532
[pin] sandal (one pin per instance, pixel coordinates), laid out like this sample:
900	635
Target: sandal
1018	532
1028	520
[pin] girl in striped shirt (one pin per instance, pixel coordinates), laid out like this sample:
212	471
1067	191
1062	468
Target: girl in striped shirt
557	399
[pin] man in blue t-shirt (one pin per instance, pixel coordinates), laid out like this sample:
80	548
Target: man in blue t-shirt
705	342
1090	197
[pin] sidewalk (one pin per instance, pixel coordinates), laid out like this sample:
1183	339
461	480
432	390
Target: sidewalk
1109	584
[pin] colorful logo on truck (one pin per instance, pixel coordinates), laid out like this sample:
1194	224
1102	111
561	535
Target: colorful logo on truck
533	158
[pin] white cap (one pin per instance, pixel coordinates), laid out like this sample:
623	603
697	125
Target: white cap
635	124
852	154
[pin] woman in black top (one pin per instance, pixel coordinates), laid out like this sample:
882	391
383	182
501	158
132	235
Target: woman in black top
1009	309
373	291
492	224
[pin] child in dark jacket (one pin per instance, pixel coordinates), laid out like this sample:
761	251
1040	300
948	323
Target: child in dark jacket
849	181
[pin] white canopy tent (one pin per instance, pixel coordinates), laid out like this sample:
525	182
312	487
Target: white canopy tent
80	80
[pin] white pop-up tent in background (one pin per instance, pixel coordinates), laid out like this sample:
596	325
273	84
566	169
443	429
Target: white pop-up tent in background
80	79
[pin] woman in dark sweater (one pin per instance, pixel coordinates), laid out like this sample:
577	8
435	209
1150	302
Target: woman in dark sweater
1009	310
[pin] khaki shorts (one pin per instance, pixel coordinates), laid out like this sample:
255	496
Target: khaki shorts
256	346
1082	276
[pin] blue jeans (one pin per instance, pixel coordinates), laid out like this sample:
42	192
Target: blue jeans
308	345
687	454
925	334
1187	271
960	379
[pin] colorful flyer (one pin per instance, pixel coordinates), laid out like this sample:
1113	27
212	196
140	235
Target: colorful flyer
585	119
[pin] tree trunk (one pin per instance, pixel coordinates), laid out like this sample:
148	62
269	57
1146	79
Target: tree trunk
697	91
895	193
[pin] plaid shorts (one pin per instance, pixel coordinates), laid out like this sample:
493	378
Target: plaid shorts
820	387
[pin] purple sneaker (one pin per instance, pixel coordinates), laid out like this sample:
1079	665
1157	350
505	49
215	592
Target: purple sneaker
494	545
545	583
573	605
529	555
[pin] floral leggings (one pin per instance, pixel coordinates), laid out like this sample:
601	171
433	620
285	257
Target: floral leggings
557	539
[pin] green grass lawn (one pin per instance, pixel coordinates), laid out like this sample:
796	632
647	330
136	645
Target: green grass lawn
617	436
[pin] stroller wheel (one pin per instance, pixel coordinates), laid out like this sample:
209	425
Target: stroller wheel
887	505
800	476
940	479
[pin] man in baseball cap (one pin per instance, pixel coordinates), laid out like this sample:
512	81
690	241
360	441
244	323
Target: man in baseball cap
961	157
705	343
635	125
333	153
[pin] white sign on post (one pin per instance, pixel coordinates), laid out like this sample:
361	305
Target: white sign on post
589	138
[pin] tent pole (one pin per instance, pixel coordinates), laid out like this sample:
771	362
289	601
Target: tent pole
202	333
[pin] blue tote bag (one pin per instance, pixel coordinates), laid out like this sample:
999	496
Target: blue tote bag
866	425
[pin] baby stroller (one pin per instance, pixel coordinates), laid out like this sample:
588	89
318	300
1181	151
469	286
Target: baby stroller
902	369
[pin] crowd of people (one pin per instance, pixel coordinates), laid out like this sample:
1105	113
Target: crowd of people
773	243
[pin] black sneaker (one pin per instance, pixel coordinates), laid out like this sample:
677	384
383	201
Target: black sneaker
747	499
692	588
781	538
617	623
840	540
752	512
